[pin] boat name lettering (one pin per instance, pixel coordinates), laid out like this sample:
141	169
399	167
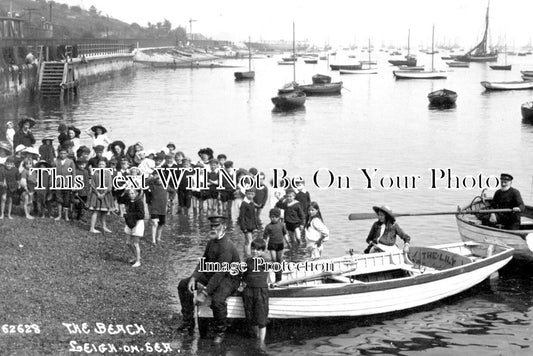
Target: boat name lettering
434	256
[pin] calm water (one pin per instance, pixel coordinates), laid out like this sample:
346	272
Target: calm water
377	123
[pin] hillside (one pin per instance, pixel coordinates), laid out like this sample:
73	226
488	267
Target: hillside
73	22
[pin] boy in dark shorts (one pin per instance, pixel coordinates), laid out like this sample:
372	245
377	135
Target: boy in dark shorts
247	220
275	233
255	293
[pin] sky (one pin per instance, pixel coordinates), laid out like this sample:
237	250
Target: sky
339	22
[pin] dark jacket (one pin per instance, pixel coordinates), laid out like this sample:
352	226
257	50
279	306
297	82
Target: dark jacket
389	235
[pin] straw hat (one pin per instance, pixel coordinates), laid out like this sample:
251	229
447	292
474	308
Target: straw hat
386	210
95	127
28	119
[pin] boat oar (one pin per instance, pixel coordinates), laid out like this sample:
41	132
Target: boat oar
366	216
313	277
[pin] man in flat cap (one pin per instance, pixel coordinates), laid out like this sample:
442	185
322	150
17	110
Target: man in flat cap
218	285
507	197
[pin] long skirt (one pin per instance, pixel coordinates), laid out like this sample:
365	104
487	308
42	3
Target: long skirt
105	204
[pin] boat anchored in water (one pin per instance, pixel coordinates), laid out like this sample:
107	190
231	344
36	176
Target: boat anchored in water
432	74
250	74
514	85
442	97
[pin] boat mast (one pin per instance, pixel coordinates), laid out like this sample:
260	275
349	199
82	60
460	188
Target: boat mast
486	29
249	54
408	42
293	53
369	62
432	47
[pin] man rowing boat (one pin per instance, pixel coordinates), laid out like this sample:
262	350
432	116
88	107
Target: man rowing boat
507	197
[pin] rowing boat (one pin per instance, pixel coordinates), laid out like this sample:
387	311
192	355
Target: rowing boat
471	229
442	97
289	101
370	284
515	85
527	110
321	89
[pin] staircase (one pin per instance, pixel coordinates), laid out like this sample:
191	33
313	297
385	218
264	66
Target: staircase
51	77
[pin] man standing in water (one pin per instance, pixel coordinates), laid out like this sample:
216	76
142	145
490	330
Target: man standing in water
507	197
218	285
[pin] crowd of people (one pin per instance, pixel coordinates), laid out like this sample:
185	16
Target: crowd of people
74	162
294	218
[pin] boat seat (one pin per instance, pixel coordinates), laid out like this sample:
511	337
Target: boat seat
343	279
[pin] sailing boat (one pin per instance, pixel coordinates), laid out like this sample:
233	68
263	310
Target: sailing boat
480	52
410	60
290	98
250	74
368	70
432	74
502	67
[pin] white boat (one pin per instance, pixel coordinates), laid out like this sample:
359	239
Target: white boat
471	229
516	85
430	74
359	71
377	283
369	63
413	74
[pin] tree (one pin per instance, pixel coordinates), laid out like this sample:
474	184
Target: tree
93	11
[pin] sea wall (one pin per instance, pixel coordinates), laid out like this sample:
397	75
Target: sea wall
17	83
97	68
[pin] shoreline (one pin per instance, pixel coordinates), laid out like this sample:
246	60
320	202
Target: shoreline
57	272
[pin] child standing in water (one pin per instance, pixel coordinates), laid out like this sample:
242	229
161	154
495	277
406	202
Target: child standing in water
294	215
315	231
255	293
275	233
247	219
134	225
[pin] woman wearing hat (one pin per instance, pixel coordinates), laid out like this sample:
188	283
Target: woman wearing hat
46	150
382	235
74	136
24	136
116	149
99	135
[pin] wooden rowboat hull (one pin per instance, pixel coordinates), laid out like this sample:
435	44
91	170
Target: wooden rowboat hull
502	67
289	101
357	298
400	74
471	229
442	97
345	66
516	85
321	89
527	110
360	71
244	75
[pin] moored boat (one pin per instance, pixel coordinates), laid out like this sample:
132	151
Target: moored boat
362	285
528	73
501	67
515	85
527	110
310	60
408	74
471	229
289	101
457	64
481	53
354	66
419	68
359	71
250	74
442	97
321	89
321	79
